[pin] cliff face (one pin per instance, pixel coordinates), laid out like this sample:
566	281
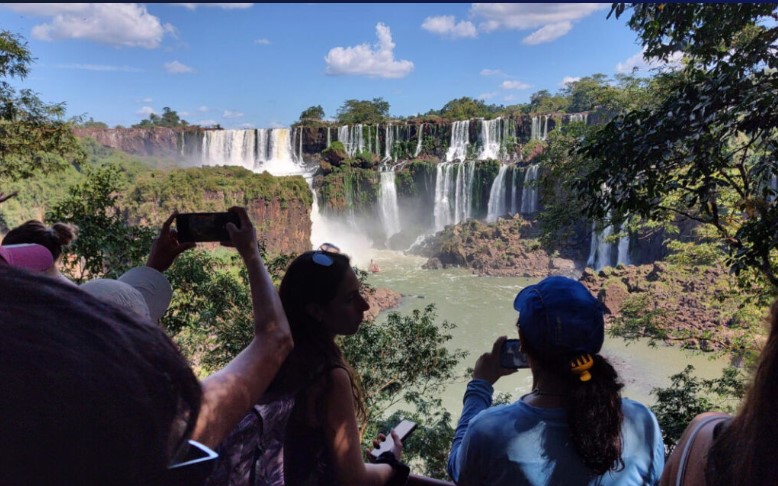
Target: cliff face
283	228
160	142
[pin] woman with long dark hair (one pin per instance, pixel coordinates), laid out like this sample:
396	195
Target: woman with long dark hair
574	427
55	239
717	449
306	425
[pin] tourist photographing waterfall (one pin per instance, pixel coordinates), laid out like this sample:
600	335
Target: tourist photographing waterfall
573	427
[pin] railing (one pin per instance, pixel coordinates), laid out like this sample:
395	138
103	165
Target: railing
416	480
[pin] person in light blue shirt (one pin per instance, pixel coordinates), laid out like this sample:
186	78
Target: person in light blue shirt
573	428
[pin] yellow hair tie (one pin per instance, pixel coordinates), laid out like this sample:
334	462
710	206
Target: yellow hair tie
581	365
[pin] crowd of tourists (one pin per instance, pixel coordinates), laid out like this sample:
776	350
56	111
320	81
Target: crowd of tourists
96	392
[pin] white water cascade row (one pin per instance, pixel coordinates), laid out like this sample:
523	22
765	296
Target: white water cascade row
539	130
419	136
601	251
529	193
390	213
491	139
453	193
389	142
496	206
579	118
460	140
352	138
254	149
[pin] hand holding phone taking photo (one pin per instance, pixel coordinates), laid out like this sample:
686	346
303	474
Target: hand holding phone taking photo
403	430
511	356
204	227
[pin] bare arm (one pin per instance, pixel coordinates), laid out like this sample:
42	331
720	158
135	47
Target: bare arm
696	462
230	392
343	437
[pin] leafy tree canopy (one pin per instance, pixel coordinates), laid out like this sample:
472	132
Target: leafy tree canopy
363	111
34	137
706	150
168	119
465	108
315	113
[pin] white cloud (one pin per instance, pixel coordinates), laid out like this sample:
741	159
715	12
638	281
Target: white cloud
491	72
225	6
547	33
207	123
145	111
447	26
262	42
550	20
569	79
203	109
101	67
176	67
637	62
364	60
486	96
514	85
509	97
119	24
231	114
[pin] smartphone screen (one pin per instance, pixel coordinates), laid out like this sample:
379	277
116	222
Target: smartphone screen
204	226
511	356
403	430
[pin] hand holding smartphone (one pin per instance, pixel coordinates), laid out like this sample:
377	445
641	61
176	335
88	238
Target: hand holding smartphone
511	356
202	227
403	430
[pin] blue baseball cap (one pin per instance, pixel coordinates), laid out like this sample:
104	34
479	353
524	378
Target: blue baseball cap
559	315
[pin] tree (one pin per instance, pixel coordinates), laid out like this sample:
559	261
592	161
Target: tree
106	246
707	149
312	113
34	138
362	111
168	119
466	108
543	102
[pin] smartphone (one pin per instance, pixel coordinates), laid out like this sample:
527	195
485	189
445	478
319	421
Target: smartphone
403	430
511	357
205	226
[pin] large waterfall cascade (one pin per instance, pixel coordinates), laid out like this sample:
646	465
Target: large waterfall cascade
529	193
601	250
460	140
496	205
255	149
390	213
494	136
453	193
539	130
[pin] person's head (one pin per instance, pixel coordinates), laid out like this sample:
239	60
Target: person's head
321	296
142	290
745	451
91	394
562	329
54	239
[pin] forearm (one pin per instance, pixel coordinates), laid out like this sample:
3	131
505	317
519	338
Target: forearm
478	397
231	391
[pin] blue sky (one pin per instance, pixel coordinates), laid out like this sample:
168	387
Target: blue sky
261	65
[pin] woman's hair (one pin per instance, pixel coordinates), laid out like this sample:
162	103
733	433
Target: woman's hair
745	452
593	410
55	238
91	394
307	282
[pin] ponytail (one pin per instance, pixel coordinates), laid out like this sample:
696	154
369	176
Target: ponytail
594	415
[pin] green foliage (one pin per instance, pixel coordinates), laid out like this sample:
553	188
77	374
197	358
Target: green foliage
168	119
34	138
91	123
349	188
415	366
106	246
312	113
466	108
688	396
353	112
706	149
543	102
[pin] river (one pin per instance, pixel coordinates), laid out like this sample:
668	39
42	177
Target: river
482	309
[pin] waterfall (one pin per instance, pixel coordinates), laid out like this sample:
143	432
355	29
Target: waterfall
389	139
280	158
390	214
515	203
491	139
579	118
419	134
352	137
453	192
529	193
460	139
496	205
623	249
539	130
228	147
600	249
329	137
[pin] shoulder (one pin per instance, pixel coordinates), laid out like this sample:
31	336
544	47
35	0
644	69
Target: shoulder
492	420
633	409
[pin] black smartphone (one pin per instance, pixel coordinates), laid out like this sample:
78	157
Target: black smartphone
205	226
511	356
403	430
